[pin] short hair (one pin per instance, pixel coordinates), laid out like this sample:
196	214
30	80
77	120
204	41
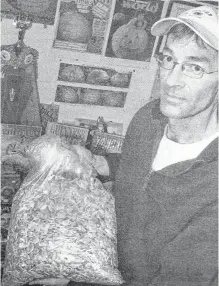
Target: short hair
182	31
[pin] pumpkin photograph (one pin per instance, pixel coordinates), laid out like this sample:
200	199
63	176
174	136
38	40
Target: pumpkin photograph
130	37
82	26
40	11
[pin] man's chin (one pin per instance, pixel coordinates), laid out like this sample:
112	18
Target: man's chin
170	110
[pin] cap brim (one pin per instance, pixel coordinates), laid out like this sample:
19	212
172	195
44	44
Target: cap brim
163	26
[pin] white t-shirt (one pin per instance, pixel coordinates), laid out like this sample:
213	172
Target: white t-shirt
170	152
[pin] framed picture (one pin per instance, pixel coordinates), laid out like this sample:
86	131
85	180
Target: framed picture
82	25
90	96
130	37
93	85
40	11
92	75
175	8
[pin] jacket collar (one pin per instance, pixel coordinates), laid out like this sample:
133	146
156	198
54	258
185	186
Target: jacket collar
209	154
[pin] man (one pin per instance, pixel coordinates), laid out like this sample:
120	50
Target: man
167	181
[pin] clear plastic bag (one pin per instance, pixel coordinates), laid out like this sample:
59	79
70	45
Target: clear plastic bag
63	222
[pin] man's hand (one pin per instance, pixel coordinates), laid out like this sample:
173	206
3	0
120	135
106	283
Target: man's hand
98	162
100	165
51	282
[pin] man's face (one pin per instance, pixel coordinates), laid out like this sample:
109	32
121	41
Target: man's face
182	96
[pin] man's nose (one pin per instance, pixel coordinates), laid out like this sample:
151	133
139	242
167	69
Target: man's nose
174	76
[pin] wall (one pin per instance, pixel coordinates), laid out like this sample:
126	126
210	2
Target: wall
42	38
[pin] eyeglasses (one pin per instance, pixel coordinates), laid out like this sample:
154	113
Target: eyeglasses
190	70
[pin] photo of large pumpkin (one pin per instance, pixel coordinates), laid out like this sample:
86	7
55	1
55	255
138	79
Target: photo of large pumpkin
74	27
130	41
99	77
91	96
30	6
112	98
120	80
72	74
67	94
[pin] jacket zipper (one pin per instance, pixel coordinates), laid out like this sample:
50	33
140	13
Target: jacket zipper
147	178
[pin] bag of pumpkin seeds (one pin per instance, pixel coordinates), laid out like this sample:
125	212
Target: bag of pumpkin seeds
63	222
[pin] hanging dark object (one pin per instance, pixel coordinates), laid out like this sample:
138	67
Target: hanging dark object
19	97
13	101
17	56
22	23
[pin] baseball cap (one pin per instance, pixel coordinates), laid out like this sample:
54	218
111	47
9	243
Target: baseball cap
203	20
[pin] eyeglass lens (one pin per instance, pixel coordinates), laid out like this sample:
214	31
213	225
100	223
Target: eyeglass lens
189	70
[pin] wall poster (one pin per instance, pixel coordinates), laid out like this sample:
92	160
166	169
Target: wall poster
40	11
82	25
94	75
80	95
130	37
80	84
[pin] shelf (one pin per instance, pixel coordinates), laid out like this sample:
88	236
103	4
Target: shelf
66	55
90	86
87	105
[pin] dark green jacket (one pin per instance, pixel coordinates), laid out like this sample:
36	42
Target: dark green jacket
167	220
